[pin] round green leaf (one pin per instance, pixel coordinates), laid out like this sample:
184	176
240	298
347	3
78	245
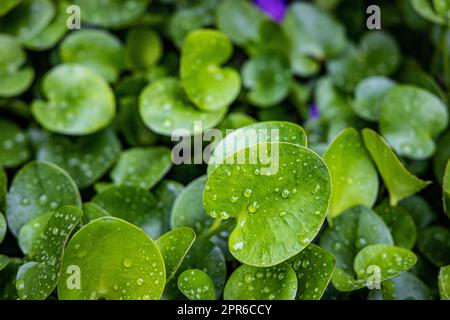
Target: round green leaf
97	50
53	32
81	106
266	131
254	283
444	283
268	77
209	86
399	182
369	94
434	244
28	19
400	223
142	167
144	48
14	145
111	13
37	279
174	245
164	108
133	204
14	77
314	267
37	188
86	159
276	215
390	259
115	260
353	175
196	285
409	119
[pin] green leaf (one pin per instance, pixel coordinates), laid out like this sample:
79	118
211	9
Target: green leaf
37	188
15	78
276	215
240	21
314	267
255	283
165	109
37	279
81	106
439	13
419	210
434	244
111	13
53	32
446	189
113	260
444	283
4	261
32	231
268	77
252	134
404	287
399	182
98	50
86	159
441	156
8	5
389	259
174	245
28	19
209	86
313	32
196	285
354	178
351	231
369	94
132	204
144	48
14	145
2	227
142	167
8	278
400	223
3	189
409	119
92	211
166	193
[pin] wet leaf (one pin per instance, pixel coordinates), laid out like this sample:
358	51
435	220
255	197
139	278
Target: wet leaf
196	285
14	145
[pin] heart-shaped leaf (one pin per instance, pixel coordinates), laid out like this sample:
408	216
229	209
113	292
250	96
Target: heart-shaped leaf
165	108
144	48
111	259
266	131
404	287
174	245
369	94
37	279
444	283
132	204
400	223
434	244
53	32
166	193
313	32
254	283
81	106
97	50
111	13
399	182
14	145
409	119
86	159
314	267
268	77
142	167
14	77
354	178
351	231
28	19
209	86
37	188
240	21
271	200
196	285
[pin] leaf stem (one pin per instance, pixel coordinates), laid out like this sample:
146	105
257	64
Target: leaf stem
218	227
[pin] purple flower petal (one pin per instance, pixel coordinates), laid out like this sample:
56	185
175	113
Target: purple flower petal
275	9
313	111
